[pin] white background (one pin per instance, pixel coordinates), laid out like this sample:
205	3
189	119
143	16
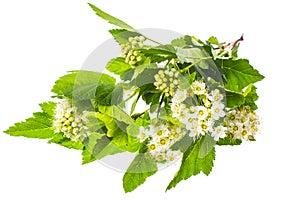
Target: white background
41	40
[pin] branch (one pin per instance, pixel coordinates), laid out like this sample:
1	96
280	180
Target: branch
232	44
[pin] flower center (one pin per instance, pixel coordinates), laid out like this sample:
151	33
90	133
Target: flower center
163	141
235	128
204	126
152	147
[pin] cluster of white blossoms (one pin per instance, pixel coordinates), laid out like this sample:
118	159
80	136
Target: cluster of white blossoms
69	122
167	81
204	117
160	138
131	55
241	123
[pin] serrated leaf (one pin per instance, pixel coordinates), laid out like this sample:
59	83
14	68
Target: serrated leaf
111	19
116	113
234	52
139	170
87	157
234	99
139	69
122	35
66	142
208	143
38	126
145	77
160	53
251	97
193	164
118	66
229	141
195	55
82	84
183	144
239	74
184	41
213	40
100	146
104	94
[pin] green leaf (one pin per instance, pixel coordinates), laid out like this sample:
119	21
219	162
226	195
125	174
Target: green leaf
251	97
160	53
207	145
213	40
191	55
118	66
38	126
111	19
139	170
229	141
234	52
145	77
117	113
193	164
66	142
149	94
234	99
122	35
183	144
82	84
139	69
104	94
87	157
239	74
99	146
113	128
184	41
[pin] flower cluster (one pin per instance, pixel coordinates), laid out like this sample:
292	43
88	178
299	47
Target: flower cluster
160	138
69	122
203	116
167	81
241	123
131	55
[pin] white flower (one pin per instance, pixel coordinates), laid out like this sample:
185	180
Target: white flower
242	123
142	136
179	96
173	155
217	110
218	132
199	88
202	112
69	122
215	95
177	109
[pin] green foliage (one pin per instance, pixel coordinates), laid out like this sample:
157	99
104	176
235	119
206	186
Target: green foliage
239	74
87	157
111	19
229	141
122	35
251	97
111	130
160	53
81	84
139	170
193	162
118	66
197	56
38	126
213	40
103	95
66	142
99	146
234	99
